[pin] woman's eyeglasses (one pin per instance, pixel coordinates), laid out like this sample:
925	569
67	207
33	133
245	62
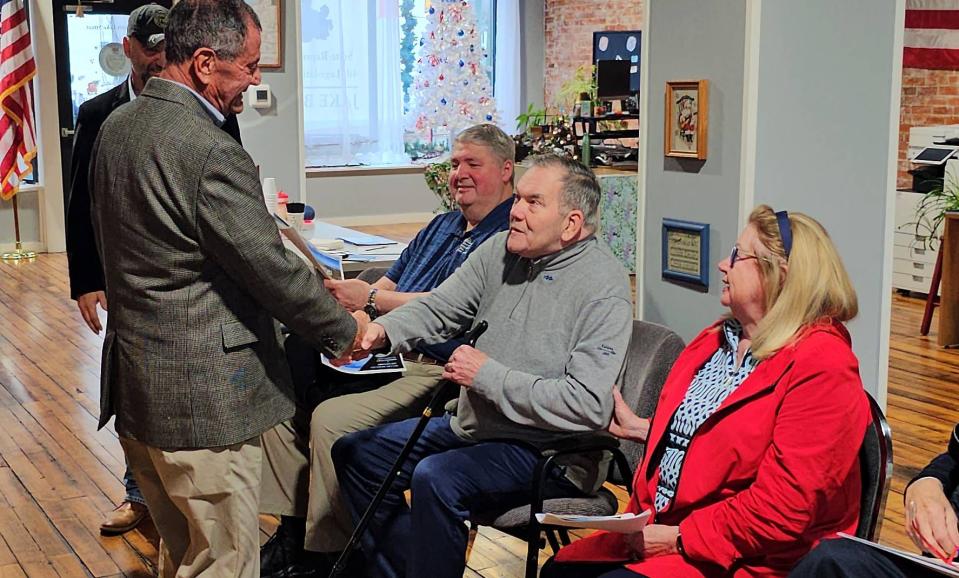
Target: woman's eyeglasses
738	254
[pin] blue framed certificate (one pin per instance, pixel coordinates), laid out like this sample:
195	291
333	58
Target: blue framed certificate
686	252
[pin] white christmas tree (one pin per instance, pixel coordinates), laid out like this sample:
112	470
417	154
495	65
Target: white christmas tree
451	86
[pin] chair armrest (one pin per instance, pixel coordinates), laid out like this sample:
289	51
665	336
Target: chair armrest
591	442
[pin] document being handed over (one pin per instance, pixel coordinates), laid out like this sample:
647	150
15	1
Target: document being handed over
623	523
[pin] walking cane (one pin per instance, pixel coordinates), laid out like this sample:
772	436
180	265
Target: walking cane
471	337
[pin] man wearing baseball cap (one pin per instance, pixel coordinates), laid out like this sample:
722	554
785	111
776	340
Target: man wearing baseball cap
144	46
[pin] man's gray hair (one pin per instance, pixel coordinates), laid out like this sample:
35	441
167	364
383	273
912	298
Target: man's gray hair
490	136
580	188
216	24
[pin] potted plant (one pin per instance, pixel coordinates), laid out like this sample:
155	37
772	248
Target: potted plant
532	121
437	179
931	211
582	81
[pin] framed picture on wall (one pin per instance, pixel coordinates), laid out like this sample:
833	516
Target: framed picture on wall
270	13
687	111
686	252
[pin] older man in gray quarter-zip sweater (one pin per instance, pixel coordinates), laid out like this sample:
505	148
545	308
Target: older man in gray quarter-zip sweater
560	315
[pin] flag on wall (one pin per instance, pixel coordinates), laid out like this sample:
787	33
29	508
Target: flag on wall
932	34
17	68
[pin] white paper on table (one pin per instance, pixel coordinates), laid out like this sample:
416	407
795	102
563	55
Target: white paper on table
627	523
933	564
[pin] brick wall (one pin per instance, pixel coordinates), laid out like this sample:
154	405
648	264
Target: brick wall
929	97
569	33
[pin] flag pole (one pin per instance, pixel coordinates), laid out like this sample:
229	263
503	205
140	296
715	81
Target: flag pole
18	254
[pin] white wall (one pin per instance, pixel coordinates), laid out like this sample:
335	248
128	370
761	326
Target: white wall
41	210
273	137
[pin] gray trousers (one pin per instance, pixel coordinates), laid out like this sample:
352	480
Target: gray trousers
298	477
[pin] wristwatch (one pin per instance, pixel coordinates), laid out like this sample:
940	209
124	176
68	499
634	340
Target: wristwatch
679	546
370	308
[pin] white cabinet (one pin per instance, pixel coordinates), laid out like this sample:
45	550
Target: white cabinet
913	260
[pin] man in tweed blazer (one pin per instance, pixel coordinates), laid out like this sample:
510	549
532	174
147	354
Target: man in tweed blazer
196	273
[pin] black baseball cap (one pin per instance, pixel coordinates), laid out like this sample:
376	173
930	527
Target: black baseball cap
147	24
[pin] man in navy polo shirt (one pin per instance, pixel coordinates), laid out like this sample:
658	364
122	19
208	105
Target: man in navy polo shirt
299	482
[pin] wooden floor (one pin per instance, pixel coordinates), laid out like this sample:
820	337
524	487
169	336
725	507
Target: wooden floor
59	476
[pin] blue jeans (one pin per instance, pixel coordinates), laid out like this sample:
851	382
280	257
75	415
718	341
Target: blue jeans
133	490
450	478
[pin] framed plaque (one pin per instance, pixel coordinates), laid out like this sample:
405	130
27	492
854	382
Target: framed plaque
270	13
686	252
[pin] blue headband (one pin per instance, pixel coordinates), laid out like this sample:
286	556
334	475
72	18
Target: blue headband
785	231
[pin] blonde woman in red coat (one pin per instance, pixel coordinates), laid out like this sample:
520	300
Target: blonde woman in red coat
752	453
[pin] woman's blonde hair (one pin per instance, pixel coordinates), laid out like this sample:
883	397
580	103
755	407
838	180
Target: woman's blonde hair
815	288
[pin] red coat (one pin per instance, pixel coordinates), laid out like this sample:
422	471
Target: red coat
769	474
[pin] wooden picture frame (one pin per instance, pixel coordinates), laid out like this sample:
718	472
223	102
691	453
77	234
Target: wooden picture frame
687	119
686	252
270	13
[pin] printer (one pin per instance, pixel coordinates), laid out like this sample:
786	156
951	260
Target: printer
930	149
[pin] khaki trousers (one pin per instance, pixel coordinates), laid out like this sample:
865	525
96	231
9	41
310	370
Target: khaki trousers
204	505
298	475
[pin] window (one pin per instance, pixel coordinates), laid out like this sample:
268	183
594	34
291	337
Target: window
358	65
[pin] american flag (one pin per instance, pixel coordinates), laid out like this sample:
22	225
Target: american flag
932	34
17	68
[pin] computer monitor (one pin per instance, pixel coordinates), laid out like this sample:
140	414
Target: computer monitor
612	79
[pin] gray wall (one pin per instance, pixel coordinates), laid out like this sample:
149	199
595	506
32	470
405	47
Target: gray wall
533	25
693	39
823	137
271	136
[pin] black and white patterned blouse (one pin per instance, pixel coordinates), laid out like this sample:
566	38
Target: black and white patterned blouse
713	383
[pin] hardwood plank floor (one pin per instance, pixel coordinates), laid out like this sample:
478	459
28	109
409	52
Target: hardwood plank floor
59	476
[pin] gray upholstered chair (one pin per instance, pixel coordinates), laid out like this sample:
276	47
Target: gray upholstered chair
875	463
652	351
372	274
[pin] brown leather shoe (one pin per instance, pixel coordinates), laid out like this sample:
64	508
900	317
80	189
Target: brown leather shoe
124	518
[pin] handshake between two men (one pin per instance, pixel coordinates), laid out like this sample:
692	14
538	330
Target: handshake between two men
461	367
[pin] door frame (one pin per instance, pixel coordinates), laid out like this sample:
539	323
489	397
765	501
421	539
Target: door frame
61	8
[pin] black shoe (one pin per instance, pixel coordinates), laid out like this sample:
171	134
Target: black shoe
283	555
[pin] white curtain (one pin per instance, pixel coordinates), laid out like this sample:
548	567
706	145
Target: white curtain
353	105
388	126
507	77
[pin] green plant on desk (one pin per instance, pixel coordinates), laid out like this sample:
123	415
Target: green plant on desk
437	179
582	80
932	209
534	117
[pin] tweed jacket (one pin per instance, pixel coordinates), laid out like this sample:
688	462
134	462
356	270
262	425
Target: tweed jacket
196	275
86	271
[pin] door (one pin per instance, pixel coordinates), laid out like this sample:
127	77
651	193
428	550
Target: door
90	60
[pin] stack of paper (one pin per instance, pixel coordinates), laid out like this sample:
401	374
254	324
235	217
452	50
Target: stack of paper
623	523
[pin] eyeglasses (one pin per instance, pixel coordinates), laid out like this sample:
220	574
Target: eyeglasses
738	254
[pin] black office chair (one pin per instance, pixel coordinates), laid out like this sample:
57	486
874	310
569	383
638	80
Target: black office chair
652	351
875	463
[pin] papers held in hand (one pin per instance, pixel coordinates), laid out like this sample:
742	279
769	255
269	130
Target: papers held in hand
934	564
623	523
371	364
330	267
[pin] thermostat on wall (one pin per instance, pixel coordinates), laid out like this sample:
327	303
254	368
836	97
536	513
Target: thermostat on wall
260	96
